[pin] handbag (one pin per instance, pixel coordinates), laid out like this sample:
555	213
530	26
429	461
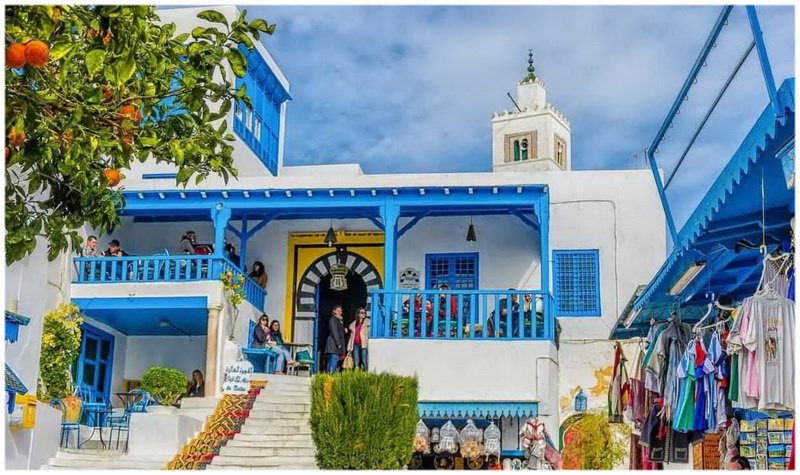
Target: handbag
348	361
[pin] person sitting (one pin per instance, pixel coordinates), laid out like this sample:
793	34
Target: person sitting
504	316
196	385
258	274
275	342
230	253
187	243
90	250
260	331
114	250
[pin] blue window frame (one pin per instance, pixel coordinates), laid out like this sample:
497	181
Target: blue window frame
457	270
259	126
95	362
576	282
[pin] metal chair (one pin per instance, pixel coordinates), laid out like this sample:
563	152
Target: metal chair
90	403
303	359
68	426
122	423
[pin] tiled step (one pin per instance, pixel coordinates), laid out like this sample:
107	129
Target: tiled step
259	452
262	462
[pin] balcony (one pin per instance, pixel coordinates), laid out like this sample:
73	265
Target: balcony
462	314
162	268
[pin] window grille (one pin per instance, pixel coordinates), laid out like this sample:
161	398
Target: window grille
576	275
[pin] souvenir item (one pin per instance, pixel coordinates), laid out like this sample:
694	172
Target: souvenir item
422	438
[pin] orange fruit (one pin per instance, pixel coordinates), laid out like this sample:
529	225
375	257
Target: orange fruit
37	53
16	137
107	38
67	137
130	112
127	139
112	176
15	56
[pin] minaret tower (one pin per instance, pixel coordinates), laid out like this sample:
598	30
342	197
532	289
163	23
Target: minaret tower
534	135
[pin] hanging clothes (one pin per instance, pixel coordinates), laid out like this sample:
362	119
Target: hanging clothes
619	389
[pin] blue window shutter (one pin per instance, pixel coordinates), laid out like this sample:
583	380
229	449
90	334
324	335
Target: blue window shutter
576	282
457	270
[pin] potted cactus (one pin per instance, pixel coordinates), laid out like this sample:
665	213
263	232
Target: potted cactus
166	386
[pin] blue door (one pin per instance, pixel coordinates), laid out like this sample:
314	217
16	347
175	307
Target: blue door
95	363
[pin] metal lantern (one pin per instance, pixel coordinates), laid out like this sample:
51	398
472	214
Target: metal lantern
471	438
448	438
491	440
580	401
422	443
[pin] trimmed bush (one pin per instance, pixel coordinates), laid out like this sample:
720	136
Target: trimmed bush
166	385
363	421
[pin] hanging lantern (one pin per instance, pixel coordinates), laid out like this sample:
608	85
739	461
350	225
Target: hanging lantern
471	237
580	401
448	442
330	237
339	276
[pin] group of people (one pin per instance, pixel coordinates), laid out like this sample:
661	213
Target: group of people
342	342
188	245
91	250
268	335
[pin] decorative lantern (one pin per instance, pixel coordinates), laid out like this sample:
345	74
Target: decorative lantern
471	441
580	401
448	439
491	440
435	436
422	438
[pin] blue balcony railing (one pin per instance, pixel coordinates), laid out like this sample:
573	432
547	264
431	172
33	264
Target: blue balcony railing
162	268
462	314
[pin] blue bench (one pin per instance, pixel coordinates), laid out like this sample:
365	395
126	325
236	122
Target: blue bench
262	359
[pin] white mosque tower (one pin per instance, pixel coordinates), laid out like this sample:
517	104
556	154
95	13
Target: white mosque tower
534	136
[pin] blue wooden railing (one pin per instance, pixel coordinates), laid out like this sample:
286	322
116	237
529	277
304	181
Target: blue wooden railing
462	314
162	268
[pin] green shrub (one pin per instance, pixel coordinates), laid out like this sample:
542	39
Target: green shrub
165	385
61	345
363	421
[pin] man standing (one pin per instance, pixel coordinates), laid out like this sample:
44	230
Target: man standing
334	346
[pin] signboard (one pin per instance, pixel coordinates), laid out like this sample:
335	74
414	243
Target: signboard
237	378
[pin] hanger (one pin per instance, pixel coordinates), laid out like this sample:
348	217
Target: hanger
723	307
708	312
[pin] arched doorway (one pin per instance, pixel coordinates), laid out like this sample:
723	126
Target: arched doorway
310	320
355	296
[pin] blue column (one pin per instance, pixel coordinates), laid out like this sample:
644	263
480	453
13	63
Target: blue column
243	244
220	215
544	259
390	212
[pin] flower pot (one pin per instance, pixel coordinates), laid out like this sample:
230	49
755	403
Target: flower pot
159	409
72	408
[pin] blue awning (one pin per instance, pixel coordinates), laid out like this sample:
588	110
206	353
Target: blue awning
724	226
477	409
13	322
14	386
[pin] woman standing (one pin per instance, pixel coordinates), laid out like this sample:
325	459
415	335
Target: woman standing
258	274
359	338
334	345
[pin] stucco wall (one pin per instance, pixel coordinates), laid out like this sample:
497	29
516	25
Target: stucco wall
30	449
179	352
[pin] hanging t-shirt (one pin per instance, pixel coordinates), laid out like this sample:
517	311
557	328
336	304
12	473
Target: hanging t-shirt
771	336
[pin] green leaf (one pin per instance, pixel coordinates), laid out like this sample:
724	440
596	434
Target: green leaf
182	37
125	69
241	37
259	25
213	16
242	91
201	33
61	49
94	61
237	61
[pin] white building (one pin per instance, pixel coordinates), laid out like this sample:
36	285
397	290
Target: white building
578	242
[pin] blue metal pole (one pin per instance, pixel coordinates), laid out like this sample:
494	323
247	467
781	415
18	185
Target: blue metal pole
766	69
673	111
544	259
220	215
390	212
243	244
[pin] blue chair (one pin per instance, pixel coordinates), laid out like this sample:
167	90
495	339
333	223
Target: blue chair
68	426
90	404
122	422
262	359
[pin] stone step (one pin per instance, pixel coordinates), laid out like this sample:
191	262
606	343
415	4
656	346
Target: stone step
262	462
281	442
281	407
229	450
281	395
90	454
271	429
270	414
266	440
256	467
119	464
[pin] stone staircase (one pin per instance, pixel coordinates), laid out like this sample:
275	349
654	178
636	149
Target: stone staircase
277	435
94	459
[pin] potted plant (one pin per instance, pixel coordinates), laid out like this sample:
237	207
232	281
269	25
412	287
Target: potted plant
233	287
61	344
165	385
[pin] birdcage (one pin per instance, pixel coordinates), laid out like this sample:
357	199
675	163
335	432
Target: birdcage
422	443
448	439
491	440
471	438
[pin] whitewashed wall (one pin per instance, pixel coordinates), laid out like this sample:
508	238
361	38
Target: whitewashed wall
30	449
180	352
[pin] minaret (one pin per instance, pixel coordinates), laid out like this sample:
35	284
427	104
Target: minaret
534	135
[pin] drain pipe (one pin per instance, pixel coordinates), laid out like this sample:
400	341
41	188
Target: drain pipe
538	358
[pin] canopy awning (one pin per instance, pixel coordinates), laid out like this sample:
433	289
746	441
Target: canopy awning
13	322
720	239
14	386
477	409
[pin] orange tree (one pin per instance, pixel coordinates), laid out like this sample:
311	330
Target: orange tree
92	88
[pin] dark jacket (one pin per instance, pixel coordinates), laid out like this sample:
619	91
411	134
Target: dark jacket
197	391
335	342
259	337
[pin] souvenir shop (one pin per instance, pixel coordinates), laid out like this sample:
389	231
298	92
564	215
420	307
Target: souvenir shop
712	381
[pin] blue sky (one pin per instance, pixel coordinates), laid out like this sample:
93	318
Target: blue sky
412	89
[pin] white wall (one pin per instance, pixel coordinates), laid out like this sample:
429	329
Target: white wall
30	449
474	370
180	352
